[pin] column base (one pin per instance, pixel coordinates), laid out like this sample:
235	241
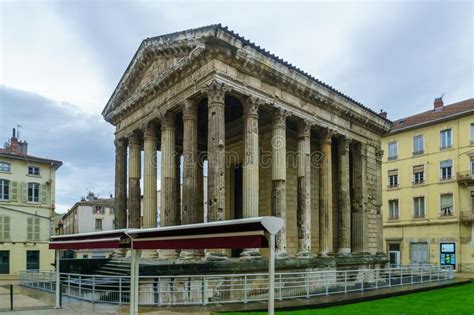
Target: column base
281	254
344	252
168	254
303	254
188	255
149	254
213	256
250	254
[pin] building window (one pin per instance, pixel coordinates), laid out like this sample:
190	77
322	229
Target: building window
418	145
98	210
472	133
4	228
4	189
5	167
419	207
445	139
393	178
392	150
446	169
447	204
393	212
33	192
33	170
98	224
33	229
418	174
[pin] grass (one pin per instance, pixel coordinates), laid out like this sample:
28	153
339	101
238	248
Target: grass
453	300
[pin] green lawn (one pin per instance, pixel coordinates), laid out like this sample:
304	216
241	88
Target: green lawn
454	300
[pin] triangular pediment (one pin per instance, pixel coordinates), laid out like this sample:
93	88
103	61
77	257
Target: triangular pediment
154	68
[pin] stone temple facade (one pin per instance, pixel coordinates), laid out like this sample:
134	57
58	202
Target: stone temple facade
272	140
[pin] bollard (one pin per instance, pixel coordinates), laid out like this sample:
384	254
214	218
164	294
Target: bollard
11	297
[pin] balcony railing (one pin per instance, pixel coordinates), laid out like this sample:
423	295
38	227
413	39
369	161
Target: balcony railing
466	177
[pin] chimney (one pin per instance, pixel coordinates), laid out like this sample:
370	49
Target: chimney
383	114
438	103
14	142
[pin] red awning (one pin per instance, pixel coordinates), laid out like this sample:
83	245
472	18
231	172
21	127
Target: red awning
241	233
107	239
208	241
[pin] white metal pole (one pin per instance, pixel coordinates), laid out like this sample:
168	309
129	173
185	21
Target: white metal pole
271	276
58	279
134	282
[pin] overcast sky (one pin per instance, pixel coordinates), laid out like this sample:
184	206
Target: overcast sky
61	60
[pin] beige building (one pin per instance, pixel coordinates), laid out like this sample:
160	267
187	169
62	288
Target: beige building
27	196
91	214
275	141
428	187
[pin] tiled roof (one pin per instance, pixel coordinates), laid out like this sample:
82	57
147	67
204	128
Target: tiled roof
434	115
26	157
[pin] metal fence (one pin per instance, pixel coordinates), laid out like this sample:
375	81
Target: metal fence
231	288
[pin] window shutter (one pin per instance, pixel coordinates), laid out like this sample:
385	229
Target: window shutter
29	229
446	163
392	172
44	193
6	228
1	228
14	191
446	201
418	168
24	192
37	229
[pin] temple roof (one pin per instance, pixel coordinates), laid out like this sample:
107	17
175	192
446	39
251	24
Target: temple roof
192	37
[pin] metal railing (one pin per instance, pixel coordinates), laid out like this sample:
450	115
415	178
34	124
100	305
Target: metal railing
231	288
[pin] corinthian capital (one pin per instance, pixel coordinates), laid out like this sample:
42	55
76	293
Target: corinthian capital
378	153
150	130
279	118
216	92
120	145
327	134
189	110
251	106
134	138
304	129
167	120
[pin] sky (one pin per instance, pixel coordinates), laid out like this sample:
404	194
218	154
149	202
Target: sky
61	60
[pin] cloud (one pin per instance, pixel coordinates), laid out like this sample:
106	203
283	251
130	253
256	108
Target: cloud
64	132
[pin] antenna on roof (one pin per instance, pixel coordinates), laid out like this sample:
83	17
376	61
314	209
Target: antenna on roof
441	97
18	131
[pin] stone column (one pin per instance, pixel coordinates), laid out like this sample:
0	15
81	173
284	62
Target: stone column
303	206
190	171
216	158
134	174
325	195
360	240
250	168
344	242
149	183
120	184
279	176
168	176
149	177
